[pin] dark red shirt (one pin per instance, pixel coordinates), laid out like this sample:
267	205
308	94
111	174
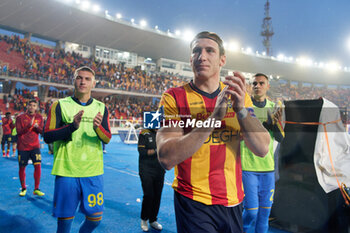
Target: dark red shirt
7	126
28	135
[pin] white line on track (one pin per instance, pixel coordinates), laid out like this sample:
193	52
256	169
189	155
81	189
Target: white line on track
133	174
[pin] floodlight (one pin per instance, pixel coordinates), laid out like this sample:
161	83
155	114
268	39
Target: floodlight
143	23
332	66
85	5
304	61
233	46
178	32
188	35
96	8
249	50
280	57
132	20
118	15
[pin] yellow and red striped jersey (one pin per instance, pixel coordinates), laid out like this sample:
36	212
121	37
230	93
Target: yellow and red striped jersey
213	175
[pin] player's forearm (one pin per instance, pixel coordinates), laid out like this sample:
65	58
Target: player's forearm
255	136
103	134
174	150
103	131
63	133
22	130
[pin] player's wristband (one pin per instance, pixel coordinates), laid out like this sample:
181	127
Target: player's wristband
243	113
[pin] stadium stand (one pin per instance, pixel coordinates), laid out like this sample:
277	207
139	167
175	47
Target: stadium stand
55	65
20	58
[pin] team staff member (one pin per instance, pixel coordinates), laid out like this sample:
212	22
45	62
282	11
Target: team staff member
208	178
29	125
7	126
258	173
77	125
152	179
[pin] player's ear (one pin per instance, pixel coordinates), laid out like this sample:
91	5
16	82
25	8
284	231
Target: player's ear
222	60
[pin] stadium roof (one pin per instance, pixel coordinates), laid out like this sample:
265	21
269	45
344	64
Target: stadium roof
56	21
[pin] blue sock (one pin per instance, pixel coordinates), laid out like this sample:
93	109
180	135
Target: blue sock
90	223
249	218
262	223
64	224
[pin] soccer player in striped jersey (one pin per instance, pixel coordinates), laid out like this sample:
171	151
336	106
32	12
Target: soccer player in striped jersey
208	175
77	125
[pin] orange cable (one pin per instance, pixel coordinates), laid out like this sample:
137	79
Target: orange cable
328	147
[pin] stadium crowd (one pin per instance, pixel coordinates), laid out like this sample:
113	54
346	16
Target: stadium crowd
56	65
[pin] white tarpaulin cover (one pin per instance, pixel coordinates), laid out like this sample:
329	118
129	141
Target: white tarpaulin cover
339	142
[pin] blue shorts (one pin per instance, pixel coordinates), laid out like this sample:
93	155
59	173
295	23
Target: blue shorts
259	188
70	191
193	216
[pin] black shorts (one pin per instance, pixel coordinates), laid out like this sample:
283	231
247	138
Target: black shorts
14	139
6	138
193	216
24	156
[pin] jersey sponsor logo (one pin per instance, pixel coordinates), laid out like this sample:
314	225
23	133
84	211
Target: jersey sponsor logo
221	136
83	119
196	103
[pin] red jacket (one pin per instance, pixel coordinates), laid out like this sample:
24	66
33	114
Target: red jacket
28	135
7	126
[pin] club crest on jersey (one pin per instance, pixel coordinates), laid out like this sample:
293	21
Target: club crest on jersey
229	103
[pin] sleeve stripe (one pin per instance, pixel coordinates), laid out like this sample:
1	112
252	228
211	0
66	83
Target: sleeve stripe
280	127
103	134
52	116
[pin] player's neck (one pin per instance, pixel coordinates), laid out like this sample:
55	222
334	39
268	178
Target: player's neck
83	98
259	98
207	85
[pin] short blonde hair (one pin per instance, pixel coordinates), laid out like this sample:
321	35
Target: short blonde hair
83	68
